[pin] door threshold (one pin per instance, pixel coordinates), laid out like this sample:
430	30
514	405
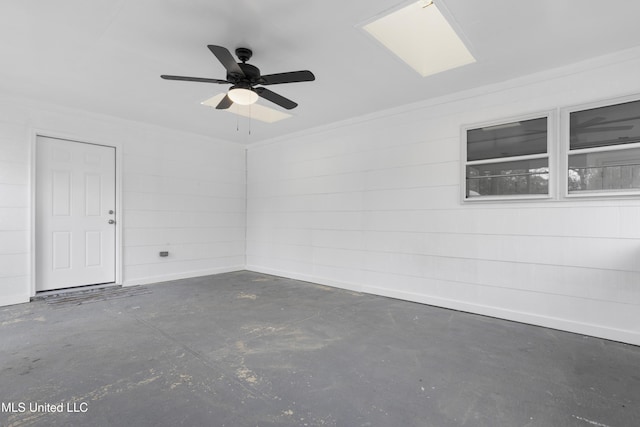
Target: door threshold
78	289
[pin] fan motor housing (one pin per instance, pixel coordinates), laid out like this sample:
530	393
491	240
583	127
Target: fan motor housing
252	73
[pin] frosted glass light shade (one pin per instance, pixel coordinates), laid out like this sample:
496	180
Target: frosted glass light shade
242	96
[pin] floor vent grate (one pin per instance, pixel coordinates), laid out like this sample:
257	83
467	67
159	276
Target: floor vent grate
94	295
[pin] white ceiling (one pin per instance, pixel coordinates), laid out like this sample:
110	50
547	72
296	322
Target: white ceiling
106	56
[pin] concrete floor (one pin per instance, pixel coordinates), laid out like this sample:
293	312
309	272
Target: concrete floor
245	349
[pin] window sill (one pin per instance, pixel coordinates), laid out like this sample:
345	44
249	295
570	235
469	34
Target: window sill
507	199
595	194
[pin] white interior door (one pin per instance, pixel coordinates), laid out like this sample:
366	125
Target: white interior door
75	214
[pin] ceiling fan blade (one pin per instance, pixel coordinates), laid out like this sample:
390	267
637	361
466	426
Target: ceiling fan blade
226	59
193	79
604	129
290	77
225	103
590	122
275	98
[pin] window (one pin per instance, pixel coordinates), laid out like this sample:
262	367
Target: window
604	150
508	160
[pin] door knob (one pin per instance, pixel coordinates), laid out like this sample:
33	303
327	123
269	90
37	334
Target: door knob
111	221
111	212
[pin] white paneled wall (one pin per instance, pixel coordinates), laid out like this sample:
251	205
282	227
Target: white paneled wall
14	213
181	193
187	199
375	205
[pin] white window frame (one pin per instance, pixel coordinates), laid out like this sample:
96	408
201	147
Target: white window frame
550	155
565	132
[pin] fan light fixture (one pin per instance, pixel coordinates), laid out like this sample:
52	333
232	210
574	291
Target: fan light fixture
242	96
244	77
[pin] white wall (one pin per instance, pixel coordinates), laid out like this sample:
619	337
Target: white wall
374	205
14	212
186	196
181	193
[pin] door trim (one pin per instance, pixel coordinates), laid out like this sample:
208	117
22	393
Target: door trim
34	134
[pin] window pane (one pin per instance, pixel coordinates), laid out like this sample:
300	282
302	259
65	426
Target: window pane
600	127
507	140
610	170
508	178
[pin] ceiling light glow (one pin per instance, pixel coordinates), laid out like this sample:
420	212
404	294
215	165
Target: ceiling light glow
421	36
503	126
254	111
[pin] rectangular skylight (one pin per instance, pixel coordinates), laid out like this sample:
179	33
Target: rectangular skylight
421	36
254	111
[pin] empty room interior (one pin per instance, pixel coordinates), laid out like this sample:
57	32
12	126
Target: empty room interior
320	213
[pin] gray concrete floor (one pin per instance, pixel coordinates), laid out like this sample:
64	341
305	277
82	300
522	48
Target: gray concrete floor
245	349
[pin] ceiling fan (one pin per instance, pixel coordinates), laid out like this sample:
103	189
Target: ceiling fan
599	124
244	77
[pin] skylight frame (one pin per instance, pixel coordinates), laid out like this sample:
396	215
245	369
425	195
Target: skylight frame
423	64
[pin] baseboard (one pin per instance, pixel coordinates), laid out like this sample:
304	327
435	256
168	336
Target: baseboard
598	331
13	299
307	278
620	335
182	275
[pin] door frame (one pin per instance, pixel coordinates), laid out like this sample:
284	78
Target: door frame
34	134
